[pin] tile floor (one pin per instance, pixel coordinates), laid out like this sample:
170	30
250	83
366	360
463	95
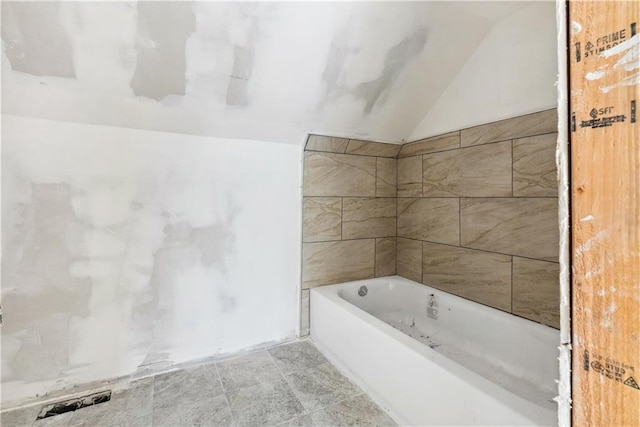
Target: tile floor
288	385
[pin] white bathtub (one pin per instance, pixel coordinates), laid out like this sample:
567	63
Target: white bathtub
474	365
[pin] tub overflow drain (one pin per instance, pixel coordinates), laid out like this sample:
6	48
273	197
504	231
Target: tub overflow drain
362	291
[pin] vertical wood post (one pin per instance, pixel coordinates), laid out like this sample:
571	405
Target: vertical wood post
604	78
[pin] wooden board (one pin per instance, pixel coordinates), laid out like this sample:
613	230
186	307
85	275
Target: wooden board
605	223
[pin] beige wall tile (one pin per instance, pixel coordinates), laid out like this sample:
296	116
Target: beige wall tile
321	219
435	219
536	291
526	226
476	275
386	175
364	218
385	256
326	263
429	145
304	313
409	259
328	174
368	148
410	177
483	171
517	127
326	143
534	166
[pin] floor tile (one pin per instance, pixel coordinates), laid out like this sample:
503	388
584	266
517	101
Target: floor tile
320	387
208	412
265	404
296	357
246	371
186	386
358	411
108	414
61	420
20	417
303	421
136	399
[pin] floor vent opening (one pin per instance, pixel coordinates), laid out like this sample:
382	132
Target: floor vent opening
74	404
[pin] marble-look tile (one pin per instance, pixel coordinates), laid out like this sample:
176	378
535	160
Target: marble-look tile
430	145
213	411
186	386
386	175
329	174
303	421
358	411
322	218
24	416
516	127
431	219
476	275
298	356
385	257
527	226
483	171
327	263
320	387
410	177
536	291
409	259
136	398
61	420
369	148
326	143
304	313
534	166
108	414
265	404
363	218
247	370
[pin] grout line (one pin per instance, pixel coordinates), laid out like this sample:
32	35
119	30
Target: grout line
396	234
351	240
422	262
376	179
341	215
459	221
226	398
511	283
476	197
349	154
461	147
512	168
489	123
422	176
375	256
476	249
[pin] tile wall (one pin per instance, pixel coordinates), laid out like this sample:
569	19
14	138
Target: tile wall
349	212
472	212
477	215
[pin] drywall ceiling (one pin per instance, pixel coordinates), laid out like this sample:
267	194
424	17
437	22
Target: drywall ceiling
266	71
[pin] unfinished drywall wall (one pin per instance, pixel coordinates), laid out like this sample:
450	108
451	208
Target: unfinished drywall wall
126	247
269	71
511	73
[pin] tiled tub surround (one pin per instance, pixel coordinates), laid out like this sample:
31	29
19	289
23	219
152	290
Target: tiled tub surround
349	213
477	215
291	384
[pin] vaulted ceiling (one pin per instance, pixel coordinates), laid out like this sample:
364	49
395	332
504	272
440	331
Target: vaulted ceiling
266	71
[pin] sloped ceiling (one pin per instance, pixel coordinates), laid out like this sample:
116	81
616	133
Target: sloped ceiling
265	71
